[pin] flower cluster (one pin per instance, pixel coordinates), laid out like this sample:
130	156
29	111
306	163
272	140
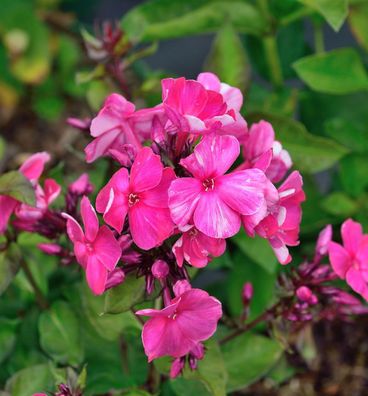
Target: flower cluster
189	174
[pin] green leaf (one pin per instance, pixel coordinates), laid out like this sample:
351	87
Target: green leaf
339	204
7	337
327	72
258	249
358	17
334	11
353	174
188	387
59	334
164	19
15	185
309	153
123	297
249	357
245	270
30	380
9	266
2	148
228	59
211	370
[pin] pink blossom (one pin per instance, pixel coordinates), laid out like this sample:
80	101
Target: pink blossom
199	107
32	169
282	223
196	248
324	239
118	124
81	186
262	151
350	260
211	200
177	329
143	197
95	248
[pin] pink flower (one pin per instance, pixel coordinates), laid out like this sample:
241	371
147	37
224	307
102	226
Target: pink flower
324	239
177	329
143	197
32	169
118	124
211	200
262	151
81	186
281	225
350	260
96	249
199	107
196	247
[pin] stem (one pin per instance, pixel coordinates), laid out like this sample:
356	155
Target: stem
273	60
319	44
249	326
41	301
153	379
295	16
139	319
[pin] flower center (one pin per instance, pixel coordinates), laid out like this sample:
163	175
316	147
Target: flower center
133	199
193	232
208	184
89	247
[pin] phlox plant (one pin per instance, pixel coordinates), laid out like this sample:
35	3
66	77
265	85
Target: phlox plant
185	176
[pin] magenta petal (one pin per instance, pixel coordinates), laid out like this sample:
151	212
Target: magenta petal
101	145
158	196
34	165
209	81
352	234
242	190
280	249
51	190
149	226
146	172
215	247
107	248
7	206
73	229
214	217
167	311
96	275
355	280
80	251
89	218
116	210
212	157
339	259
184	194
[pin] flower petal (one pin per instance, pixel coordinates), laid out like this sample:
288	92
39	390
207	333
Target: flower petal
339	259
96	275
73	229
89	218
352	233
33	167
158	196
107	248
7	206
355	280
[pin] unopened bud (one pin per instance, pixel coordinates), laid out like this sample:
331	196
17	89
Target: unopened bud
181	287
115	278
50	248
176	367
247	293
160	269
306	295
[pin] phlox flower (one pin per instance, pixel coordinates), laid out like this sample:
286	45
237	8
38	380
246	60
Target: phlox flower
196	248
32	169
95	248
212	201
190	318
350	260
262	151
142	196
282	222
118	124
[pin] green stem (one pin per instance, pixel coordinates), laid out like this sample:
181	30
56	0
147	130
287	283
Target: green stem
295	16
41	301
273	60
319	44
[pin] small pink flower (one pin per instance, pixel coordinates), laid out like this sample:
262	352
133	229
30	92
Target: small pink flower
211	200
350	260
324	239
118	124
281	225
32	169
81	186
177	329
196	248
262	151
143	197
96	249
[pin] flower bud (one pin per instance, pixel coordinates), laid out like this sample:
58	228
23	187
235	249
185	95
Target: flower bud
115	278
306	295
176	367
181	287
50	248
323	241
247	293
81	186
160	269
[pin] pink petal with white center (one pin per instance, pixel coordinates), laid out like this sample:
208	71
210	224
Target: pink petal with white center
119	182
33	167
158	196
96	275
107	248
352	234
90	220
149	226
184	194
7	206
242	190
214	217
339	259
194	124
146	172
212	157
